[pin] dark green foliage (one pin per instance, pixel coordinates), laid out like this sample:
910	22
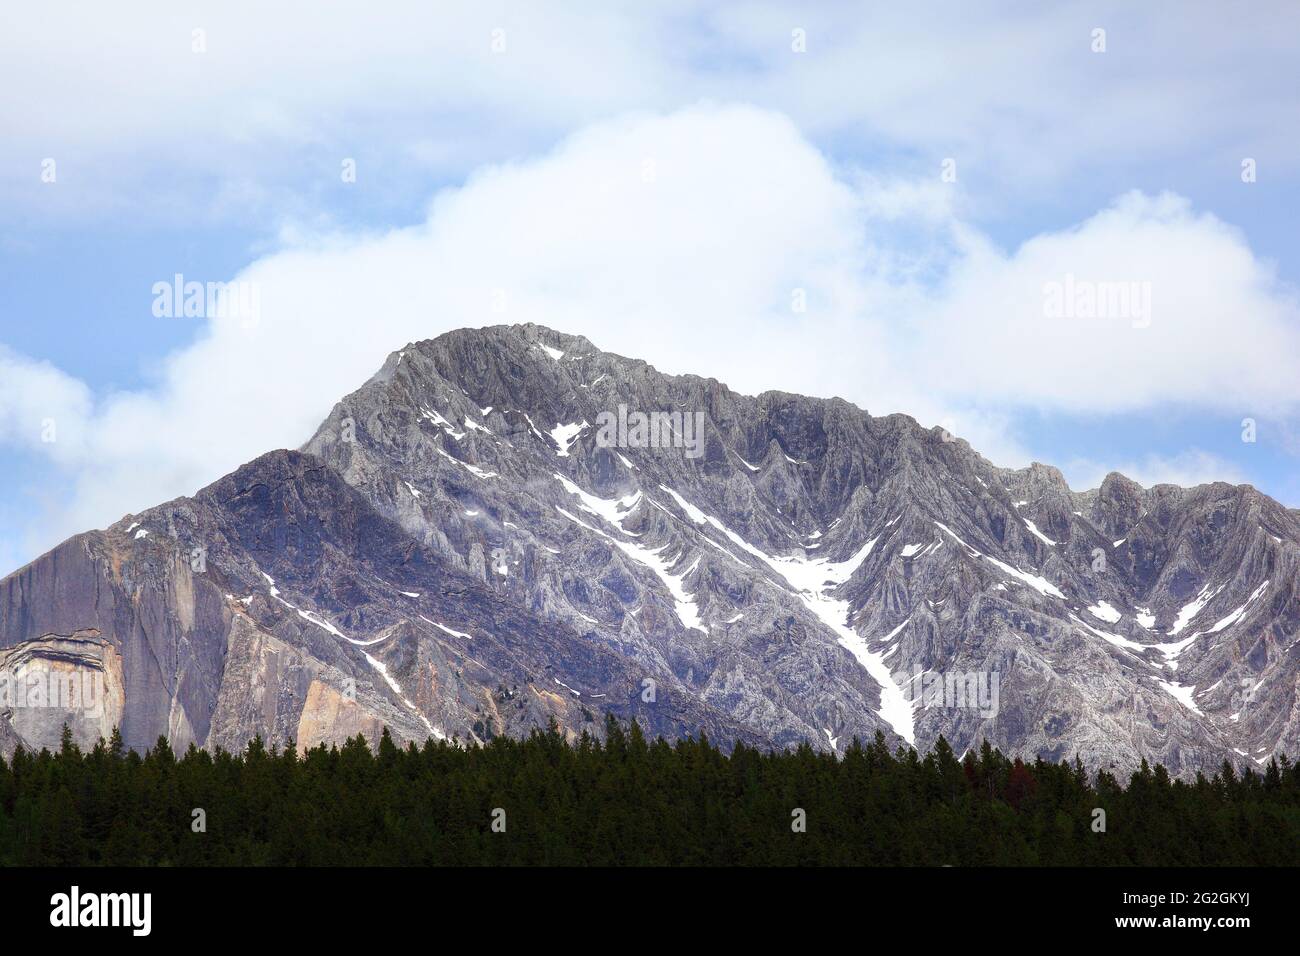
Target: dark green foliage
626	800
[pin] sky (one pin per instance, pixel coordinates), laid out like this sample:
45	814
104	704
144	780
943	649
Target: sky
1063	232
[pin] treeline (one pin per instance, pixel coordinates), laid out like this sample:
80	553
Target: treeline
624	801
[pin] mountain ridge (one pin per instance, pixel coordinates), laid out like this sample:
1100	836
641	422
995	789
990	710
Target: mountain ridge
812	568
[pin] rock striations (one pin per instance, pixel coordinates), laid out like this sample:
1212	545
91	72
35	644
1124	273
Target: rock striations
507	526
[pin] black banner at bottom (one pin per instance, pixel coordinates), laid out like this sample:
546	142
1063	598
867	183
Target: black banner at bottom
337	906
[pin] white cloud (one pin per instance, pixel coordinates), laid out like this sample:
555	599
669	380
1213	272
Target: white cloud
279	95
680	239
41	407
1220	332
1017	92
1189	468
261	120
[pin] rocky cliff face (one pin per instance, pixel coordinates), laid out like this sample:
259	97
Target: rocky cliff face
486	537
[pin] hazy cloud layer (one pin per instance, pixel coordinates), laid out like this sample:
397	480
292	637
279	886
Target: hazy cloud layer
685	239
258	122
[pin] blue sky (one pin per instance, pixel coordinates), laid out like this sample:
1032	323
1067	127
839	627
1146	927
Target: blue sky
660	180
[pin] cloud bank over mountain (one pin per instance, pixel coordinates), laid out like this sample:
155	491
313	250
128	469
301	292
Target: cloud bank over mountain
715	238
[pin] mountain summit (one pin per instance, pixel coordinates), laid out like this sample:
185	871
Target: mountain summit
506	527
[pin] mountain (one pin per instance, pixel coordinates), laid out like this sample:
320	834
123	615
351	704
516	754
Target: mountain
483	538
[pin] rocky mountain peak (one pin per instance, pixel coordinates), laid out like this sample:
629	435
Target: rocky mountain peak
506	526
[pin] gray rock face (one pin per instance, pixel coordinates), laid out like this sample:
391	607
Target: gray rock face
482	539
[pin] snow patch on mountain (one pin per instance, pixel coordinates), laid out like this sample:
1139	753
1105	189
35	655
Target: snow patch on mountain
1236	615
442	423
1037	582
1194	607
379	666
1173	649
1103	611
812	580
472	469
613	510
445	629
687	610
1182	694
1117	640
565	435
1034	528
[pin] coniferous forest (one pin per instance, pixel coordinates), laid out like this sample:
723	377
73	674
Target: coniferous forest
626	801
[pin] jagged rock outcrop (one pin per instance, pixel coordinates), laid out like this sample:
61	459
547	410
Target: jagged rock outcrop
460	551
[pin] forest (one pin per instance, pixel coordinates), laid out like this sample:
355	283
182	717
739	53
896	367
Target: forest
626	801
